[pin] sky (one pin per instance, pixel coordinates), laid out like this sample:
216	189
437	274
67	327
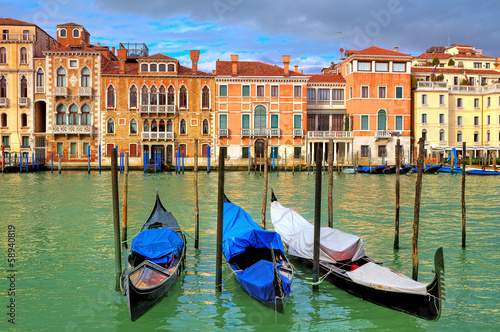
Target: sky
312	32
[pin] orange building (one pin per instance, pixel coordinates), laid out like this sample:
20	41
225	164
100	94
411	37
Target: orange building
257	101
378	83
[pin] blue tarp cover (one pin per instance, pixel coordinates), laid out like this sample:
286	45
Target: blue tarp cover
241	232
258	281
158	244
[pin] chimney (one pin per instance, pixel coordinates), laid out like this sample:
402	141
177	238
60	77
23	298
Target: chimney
296	69
286	65
195	56
113	50
99	44
234	64
121	53
396	48
122	66
213	71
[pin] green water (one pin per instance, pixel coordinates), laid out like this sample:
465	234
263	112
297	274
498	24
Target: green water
65	263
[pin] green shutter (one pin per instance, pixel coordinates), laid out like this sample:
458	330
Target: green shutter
245	121
399	122
382	120
274	121
223	121
223	90
297	121
246	90
364	122
399	92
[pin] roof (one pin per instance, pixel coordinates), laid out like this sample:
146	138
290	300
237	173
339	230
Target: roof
334	78
454	71
432	56
78	48
11	21
159	56
374	50
71	24
251	68
132	68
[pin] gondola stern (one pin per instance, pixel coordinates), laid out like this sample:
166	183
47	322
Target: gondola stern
273	197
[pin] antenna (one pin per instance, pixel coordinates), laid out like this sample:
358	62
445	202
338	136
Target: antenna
341	38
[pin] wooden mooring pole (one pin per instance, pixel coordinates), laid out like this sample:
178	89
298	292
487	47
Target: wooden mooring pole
330	183
116	217
59	166
220	219
416	213
317	218
398	165
125	204
264	200
463	196
196	208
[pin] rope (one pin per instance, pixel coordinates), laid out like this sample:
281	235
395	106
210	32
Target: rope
304	279
185	233
229	276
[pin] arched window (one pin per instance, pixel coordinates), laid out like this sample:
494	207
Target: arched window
424	134
111	96
154	125
169	126
260	117
163	96
111	126
171	96
205	127
162	126
3	55
4	120
85	77
144	95
146	125
144	67
152	67
24	87
133	126
62	33
73	115
76	33
133	97
183	97
382	120
24	120
86	115
153	96
441	135
61	118
205	97
40	77
183	127
3	87
23	55
171	67
61	77
162	67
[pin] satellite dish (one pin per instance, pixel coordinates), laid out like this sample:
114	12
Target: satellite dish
341	50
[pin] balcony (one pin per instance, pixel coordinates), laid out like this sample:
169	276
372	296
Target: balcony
73	129
157	109
442	143
329	134
223	132
40	89
16	37
158	135
260	132
60	91
23	101
382	134
3	102
465	89
85	91
324	104
427	85
298	132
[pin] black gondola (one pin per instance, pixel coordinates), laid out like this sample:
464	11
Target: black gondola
384	286
432	169
156	260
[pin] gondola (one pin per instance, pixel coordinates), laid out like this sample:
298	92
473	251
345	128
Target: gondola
256	257
432	169
156	259
343	259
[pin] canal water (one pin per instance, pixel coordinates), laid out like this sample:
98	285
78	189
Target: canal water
64	279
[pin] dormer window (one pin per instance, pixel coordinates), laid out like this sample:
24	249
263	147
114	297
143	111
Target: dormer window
144	67
76	33
171	67
162	67
62	33
152	67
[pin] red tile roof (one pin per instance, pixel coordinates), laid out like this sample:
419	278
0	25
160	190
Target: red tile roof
79	48
251	68
454	71
11	21
132	68
71	24
335	78
374	50
159	56
431	56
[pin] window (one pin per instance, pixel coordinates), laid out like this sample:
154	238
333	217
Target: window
260	91
73	115
381	92
111	97
476	121
86	115
170	126
399	122
364	91
365	151
133	126
154	125
162	96
382	151
133	97
205	127
23	56
183	97
61	77
60	149
472	80
477	65
364	66
488	136
162	126
459	103
399	92
274	91
245	90
111	126
459	136
144	67
441	100
170	96
146	125
476	102
338	94
144	95
455	80
223	121
40	77
72	149
382	120
323	94
347	69
244	151
488	101
424	100
364	122
297	91
6	141
311	94
3	55
441	118
297	121
4	120
62	33
424	118
441	135
24	120
3	87
85	151
488	119
183	127
171	67
61	117
76	33
85	77
381	66
424	134
476	137
487	65
24	87
153	96
350	92
297	152
245	121
222	90
5	34
274	121
260	117
398	67
25	142
73	63
152	67
459	120
205	97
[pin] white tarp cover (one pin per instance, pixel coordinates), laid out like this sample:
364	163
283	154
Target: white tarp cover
379	277
298	234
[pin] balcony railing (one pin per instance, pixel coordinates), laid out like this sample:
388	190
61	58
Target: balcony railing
442	143
325	103
258	132
40	89
383	134
60	91
223	132
73	129
465	88
16	37
84	91
3	102
158	135
23	101
427	85
329	134
168	109
298	132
